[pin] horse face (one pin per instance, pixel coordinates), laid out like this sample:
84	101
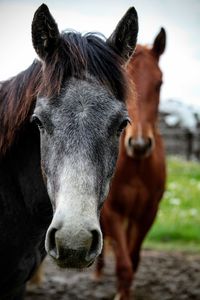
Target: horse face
144	70
79	131
79	146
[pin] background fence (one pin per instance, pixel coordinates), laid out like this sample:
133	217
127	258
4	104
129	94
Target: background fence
180	141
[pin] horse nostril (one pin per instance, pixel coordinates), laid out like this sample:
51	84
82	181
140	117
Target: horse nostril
51	243
95	245
141	146
130	142
149	143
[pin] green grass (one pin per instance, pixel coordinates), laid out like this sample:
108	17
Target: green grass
178	222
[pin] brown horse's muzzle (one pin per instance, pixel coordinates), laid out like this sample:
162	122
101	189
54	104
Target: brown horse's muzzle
140	147
139	140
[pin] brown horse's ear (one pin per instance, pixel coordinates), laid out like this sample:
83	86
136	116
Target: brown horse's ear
159	43
45	33
123	39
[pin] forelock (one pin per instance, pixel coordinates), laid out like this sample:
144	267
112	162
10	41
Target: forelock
78	55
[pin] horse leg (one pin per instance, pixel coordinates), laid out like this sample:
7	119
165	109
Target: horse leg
37	277
19	295
136	235
124	270
99	266
100	259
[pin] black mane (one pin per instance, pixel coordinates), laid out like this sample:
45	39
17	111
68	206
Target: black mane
17	96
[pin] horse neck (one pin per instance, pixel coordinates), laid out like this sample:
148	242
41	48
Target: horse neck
17	98
20	140
21	164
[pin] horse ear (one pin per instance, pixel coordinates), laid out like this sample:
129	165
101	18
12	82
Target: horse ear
159	43
45	33
123	39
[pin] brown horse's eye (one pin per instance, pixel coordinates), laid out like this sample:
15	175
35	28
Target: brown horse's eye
37	121
123	125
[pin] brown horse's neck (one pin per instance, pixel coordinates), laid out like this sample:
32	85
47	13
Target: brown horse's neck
17	98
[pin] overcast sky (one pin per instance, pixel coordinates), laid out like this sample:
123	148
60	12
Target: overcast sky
181	19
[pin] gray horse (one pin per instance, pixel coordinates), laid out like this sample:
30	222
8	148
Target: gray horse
55	170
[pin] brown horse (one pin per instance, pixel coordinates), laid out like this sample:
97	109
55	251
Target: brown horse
139	181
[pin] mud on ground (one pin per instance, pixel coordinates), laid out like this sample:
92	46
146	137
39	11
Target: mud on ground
161	276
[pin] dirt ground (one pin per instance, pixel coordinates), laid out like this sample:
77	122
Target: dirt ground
161	276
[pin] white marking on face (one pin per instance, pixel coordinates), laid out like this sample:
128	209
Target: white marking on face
76	215
139	131
76	200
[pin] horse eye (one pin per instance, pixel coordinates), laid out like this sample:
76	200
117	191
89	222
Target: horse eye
37	121
123	125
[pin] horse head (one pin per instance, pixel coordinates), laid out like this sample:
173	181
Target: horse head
146	75
80	113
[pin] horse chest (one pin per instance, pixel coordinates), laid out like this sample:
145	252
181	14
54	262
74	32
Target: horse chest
22	231
135	188
21	252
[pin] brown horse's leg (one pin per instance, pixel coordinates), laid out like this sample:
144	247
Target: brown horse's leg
37	277
136	235
123	262
100	259
99	265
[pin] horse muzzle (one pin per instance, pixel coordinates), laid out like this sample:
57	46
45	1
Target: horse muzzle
139	147
73	247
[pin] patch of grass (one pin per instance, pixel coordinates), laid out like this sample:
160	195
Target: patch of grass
178	220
